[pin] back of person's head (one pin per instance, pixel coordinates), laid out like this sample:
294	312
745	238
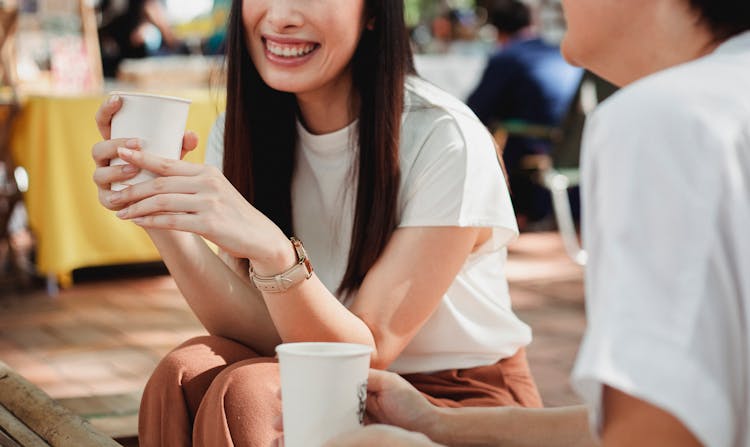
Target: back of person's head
510	16
725	18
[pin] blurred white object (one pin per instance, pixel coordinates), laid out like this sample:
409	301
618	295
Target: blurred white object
22	178
173	71
181	11
457	74
551	21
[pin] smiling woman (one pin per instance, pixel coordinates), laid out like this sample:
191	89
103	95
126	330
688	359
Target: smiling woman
394	187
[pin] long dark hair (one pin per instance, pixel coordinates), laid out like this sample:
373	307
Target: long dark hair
260	133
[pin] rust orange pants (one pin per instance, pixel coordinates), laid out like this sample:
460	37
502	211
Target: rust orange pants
211	391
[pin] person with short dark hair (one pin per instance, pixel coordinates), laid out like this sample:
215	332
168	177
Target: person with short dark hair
509	17
527	81
665	360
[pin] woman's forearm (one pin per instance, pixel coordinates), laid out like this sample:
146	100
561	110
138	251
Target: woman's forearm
225	304
514	427
310	312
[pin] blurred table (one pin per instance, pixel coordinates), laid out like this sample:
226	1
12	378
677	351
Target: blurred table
52	139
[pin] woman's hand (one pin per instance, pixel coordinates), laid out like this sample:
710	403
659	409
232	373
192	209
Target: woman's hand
199	199
106	150
380	435
394	401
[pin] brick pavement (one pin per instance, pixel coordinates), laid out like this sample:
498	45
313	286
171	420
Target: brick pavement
101	340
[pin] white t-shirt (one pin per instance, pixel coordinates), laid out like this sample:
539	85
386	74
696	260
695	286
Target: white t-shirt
666	197
450	176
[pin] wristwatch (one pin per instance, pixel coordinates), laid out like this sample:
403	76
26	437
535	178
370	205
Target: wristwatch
299	272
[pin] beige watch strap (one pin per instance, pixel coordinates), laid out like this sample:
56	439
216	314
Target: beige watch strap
299	272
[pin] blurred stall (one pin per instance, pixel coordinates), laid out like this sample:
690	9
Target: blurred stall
56	62
52	139
56	46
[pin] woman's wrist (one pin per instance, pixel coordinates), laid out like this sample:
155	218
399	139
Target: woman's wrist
442	427
280	256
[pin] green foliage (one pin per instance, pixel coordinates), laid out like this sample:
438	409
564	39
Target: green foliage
422	10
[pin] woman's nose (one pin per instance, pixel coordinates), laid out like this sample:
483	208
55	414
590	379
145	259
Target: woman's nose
284	14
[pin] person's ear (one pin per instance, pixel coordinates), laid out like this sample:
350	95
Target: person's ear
370	24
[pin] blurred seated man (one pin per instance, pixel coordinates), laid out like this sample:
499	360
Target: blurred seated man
526	80
123	33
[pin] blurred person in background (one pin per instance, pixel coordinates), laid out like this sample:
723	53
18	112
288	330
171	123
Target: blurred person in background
665	359
527	81
126	32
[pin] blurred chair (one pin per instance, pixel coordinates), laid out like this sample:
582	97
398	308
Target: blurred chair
10	194
18	268
559	171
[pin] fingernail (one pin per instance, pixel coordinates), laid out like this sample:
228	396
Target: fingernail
113	99
133	143
130	169
126	152
114	197
122	213
137	220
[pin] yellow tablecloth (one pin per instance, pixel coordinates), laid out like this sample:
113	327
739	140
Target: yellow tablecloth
52	139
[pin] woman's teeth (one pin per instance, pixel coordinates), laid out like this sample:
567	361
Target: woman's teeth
289	50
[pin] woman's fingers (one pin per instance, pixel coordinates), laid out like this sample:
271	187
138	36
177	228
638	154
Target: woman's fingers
158	165
104	199
106	150
178	221
189	142
105	113
159	185
106	175
378	381
161	203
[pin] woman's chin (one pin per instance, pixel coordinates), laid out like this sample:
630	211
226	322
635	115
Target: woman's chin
287	84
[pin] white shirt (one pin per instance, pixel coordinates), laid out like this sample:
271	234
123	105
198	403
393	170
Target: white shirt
666	196
450	176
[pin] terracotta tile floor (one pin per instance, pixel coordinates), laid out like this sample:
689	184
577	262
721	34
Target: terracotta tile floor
94	346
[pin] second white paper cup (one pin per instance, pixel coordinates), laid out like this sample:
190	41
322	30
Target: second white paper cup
323	390
158	121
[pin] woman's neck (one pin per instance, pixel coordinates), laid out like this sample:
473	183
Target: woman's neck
329	108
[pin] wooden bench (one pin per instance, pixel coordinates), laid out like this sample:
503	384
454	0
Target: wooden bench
29	417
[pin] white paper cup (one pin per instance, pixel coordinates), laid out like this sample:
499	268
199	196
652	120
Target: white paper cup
158	121
323	390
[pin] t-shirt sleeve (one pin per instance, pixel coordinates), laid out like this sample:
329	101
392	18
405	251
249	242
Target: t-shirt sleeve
215	144
650	207
456	180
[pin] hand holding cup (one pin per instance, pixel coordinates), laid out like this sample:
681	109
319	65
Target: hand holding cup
105	151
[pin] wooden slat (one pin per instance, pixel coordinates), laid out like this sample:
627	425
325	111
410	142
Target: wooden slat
51	421
115	415
7	441
15	433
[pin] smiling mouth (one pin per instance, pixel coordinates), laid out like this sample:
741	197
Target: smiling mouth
289	50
